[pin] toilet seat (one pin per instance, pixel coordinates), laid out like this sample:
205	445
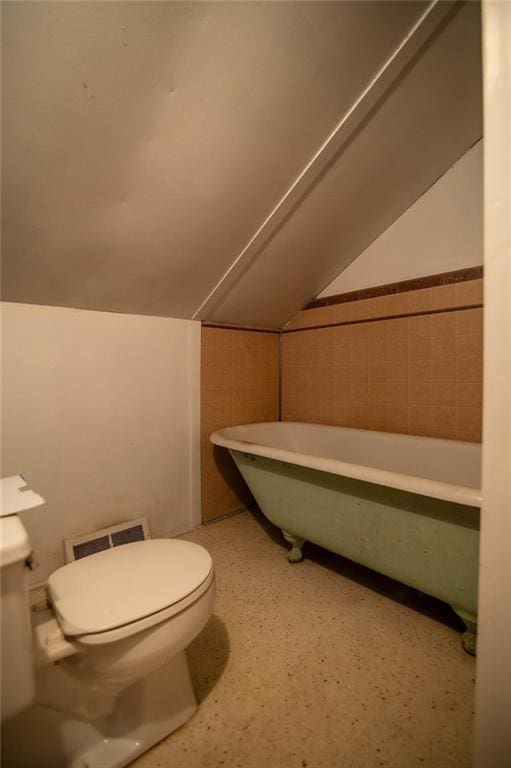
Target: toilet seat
119	633
119	592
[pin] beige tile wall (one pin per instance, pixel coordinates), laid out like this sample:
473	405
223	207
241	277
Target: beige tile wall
240	384
420	374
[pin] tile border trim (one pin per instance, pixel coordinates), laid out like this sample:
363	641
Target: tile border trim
431	281
229	327
383	317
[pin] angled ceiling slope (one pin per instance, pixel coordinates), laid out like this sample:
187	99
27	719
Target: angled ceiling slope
145	144
429	117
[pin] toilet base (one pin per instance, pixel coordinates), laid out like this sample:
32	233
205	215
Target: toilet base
142	714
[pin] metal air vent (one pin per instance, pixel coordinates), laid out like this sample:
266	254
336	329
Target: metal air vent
106	538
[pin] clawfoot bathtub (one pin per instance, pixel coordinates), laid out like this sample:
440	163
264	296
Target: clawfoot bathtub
405	506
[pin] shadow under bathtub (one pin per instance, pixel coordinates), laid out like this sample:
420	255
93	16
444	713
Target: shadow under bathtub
377	582
207	657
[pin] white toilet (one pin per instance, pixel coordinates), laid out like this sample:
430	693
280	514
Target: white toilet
107	660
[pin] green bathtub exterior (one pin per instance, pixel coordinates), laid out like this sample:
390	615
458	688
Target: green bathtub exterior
424	542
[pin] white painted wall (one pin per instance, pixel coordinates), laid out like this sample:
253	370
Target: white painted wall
493	681
441	232
101	415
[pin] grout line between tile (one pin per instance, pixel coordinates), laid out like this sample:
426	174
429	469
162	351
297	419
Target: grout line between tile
280	376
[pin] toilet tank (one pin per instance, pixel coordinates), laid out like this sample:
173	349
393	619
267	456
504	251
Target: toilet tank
17	667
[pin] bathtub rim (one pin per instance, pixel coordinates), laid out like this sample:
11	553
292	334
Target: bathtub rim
457	494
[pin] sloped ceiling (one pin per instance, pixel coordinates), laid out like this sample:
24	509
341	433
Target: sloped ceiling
144	145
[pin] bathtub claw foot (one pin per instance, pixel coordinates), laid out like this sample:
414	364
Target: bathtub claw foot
295	554
469	642
469	637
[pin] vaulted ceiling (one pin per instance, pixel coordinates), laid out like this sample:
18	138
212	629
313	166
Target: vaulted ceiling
221	161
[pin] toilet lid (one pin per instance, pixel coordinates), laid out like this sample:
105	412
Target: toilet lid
126	583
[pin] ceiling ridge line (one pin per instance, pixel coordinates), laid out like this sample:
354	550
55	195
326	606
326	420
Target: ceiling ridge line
419	33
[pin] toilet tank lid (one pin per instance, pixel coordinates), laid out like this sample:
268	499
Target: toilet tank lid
125	584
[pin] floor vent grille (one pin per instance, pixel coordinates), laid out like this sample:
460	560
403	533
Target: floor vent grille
106	538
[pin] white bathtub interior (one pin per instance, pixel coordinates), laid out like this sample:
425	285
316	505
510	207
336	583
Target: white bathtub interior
447	469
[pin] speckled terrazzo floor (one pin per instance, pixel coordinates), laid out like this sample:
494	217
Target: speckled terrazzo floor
317	665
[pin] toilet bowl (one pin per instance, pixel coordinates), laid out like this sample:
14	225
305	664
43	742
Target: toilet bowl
125	611
111	673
